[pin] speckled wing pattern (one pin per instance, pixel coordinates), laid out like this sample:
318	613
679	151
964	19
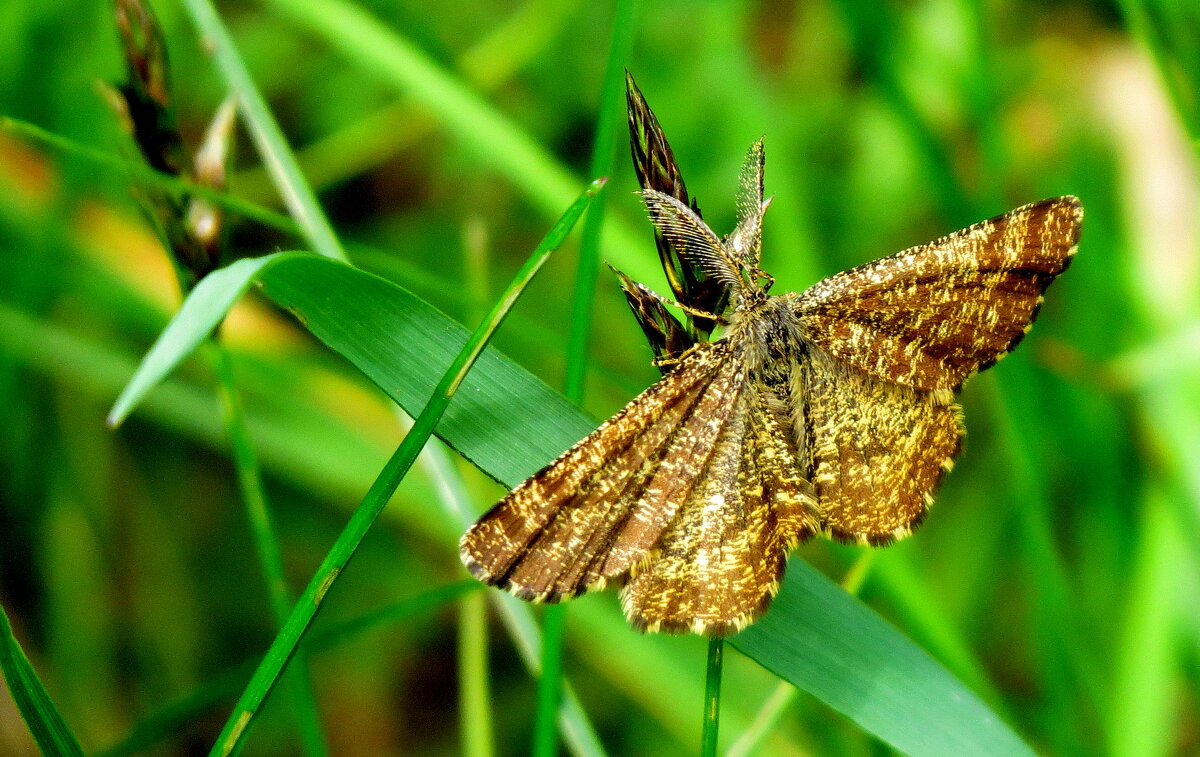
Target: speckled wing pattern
875	451
719	562
829	411
889	344
932	315
588	517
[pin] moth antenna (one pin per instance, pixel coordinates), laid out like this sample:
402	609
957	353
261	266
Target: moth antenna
746	240
692	238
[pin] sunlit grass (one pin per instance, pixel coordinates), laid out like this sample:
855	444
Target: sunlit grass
1054	577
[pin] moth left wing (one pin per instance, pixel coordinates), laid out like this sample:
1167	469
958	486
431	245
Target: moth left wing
587	517
931	316
719	562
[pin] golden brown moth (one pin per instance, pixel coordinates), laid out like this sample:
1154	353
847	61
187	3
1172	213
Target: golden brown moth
830	411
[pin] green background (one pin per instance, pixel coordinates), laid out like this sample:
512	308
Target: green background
1056	576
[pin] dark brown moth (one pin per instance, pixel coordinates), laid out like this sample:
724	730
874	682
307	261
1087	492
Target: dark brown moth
831	411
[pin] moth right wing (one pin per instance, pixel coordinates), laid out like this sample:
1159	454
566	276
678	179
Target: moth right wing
586	518
932	315
876	451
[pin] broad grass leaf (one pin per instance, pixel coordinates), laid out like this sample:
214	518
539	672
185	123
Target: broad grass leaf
510	423
839	650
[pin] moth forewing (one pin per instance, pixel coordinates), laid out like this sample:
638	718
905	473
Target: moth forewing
932	315
585	518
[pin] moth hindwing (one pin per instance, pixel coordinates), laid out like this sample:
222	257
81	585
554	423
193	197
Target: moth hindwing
831	411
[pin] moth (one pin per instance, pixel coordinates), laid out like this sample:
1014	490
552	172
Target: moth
831	411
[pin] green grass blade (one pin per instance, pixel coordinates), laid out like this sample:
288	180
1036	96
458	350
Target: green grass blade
144	174
45	722
284	646
492	137
201	312
834	647
268	137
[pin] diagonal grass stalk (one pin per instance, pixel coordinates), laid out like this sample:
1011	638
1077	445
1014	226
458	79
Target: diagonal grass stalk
49	730
268	137
286	643
144	174
266	545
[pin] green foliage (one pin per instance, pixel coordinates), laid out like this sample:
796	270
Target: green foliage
1054	579
45	722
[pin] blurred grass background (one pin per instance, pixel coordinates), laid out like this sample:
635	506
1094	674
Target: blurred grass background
1057	574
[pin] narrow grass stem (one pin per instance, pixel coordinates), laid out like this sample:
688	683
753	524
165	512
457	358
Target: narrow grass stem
286	642
266	544
473	700
33	701
712	697
549	692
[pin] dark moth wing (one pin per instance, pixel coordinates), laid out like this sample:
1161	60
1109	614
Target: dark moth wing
719	562
588	517
931	316
890	343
